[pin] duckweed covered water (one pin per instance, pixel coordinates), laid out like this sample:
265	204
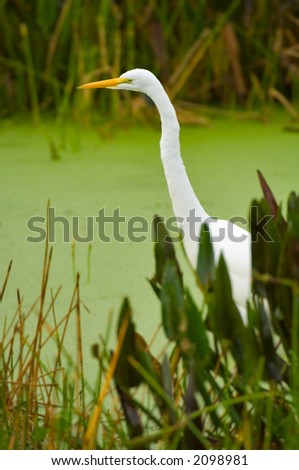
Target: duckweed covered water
122	172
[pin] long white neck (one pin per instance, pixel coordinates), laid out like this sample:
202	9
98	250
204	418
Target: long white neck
180	189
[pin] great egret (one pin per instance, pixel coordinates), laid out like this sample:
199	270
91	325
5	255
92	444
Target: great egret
230	239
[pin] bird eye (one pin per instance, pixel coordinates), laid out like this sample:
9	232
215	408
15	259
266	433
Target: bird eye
130	80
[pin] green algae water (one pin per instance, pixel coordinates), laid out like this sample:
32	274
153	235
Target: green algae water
125	173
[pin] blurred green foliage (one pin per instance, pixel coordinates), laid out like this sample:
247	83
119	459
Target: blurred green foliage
223	384
234	52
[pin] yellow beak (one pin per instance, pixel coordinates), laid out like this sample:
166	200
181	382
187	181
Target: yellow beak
111	82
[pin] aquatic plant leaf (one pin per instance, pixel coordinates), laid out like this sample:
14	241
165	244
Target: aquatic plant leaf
269	196
172	299
228	317
131	414
154	369
276	265
266	246
292	254
191	405
274	364
293	204
224	315
125	375
156	288
205	261
197	338
164	249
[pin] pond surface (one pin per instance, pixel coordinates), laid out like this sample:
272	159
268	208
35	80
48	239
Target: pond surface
122	172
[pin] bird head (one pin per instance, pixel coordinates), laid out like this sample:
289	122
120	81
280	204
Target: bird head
134	80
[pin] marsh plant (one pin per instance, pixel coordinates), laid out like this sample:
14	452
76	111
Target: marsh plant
218	383
235	52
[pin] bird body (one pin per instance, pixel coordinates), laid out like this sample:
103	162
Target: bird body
227	238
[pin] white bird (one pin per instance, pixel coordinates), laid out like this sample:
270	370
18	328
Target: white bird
227	238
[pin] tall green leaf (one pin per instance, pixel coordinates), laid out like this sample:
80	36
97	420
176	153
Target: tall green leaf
172	299
224	315
205	261
125	375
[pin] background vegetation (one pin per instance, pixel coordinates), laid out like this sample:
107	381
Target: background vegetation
243	52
